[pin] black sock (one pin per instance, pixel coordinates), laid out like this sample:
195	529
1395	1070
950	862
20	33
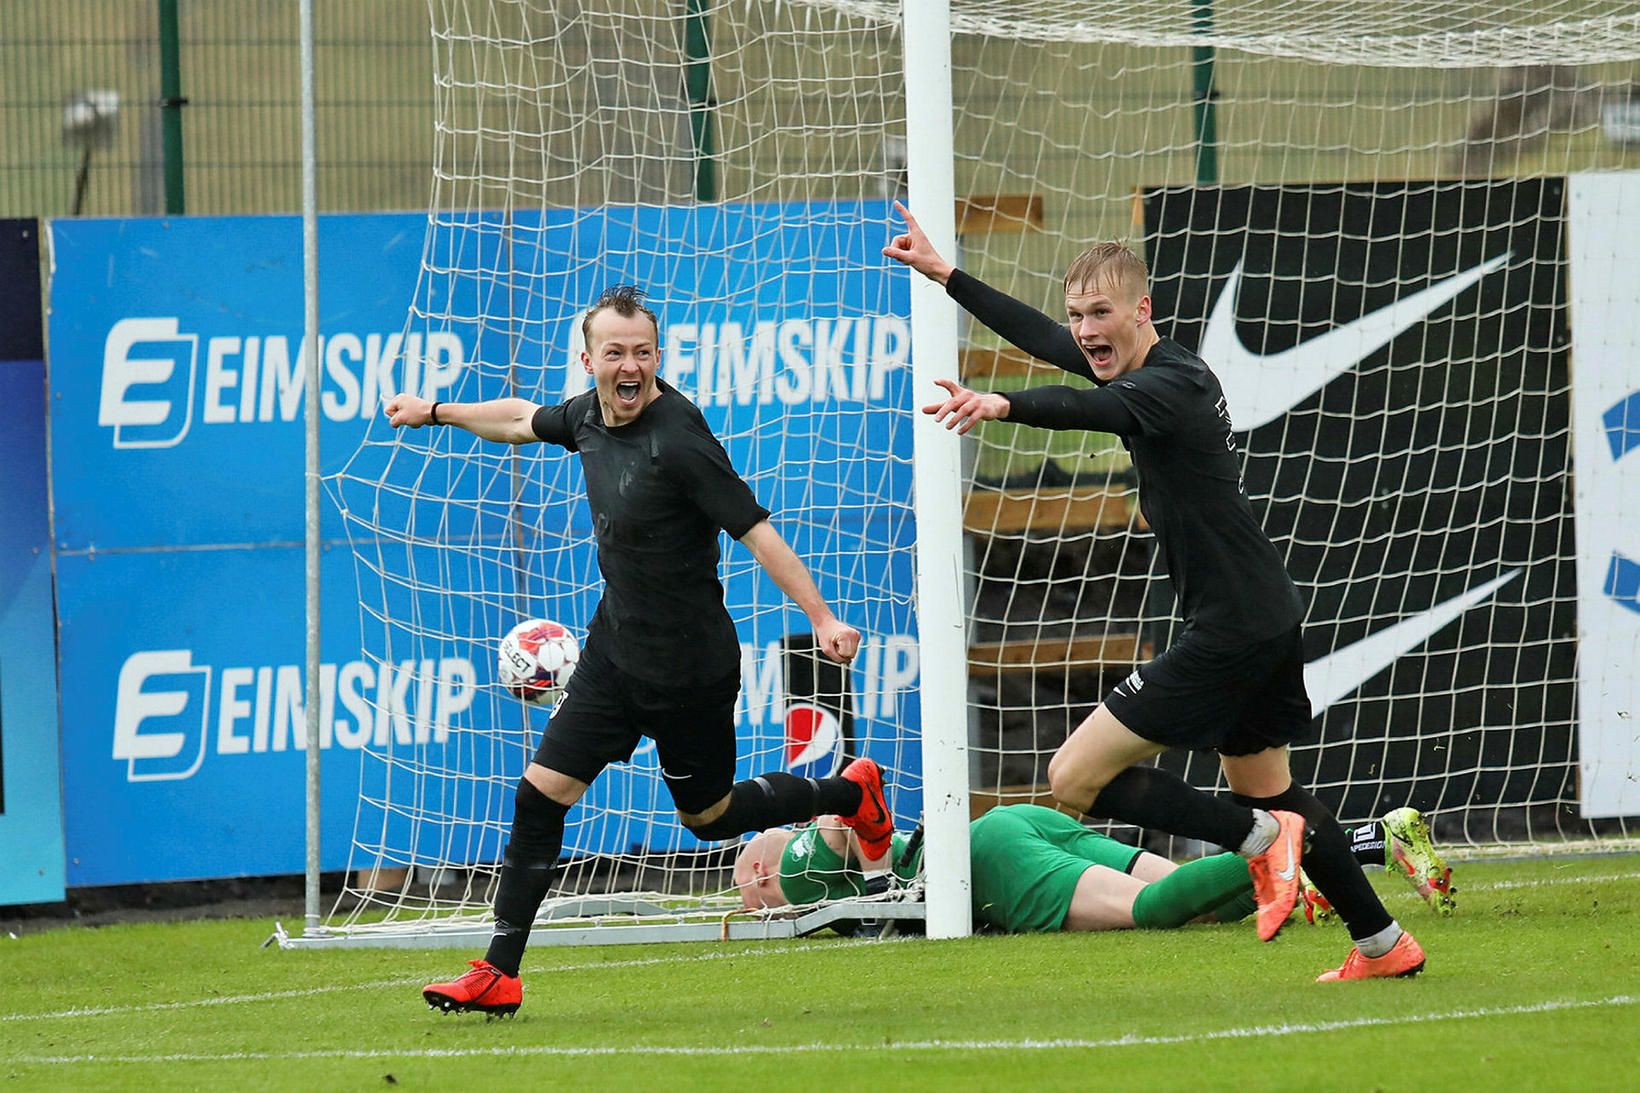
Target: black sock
777	798
1151	798
527	868
1367	843
1329	861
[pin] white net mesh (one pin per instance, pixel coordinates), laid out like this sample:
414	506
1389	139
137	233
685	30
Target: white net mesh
1309	167
569	160
1406	223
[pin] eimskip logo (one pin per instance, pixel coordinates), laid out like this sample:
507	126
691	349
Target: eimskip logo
157	384
160	715
148	383
170	711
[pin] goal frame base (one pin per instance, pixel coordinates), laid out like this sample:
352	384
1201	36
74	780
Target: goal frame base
732	925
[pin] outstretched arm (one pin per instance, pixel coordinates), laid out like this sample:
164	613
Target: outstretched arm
838	640
507	420
1021	324
1097	410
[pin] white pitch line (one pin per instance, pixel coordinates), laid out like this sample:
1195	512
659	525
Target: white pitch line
1247	1032
382	984
1546	881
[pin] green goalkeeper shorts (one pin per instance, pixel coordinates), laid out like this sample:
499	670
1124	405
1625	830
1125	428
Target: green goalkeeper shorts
1027	861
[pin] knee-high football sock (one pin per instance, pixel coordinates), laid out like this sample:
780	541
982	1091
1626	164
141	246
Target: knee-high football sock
1367	844
1236	907
1190	891
1331	865
777	798
527	867
1154	799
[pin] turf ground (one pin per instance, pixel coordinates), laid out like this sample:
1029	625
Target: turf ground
1534	984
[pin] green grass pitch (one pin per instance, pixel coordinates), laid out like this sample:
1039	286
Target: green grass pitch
1534	984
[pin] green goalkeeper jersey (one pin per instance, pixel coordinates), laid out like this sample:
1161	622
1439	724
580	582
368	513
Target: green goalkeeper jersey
811	871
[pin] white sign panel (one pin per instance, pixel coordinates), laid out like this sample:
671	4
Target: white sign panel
1604	237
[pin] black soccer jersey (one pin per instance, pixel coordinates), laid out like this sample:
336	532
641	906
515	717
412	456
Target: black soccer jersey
1171	415
660	488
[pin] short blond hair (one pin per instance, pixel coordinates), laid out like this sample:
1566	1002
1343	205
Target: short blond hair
1108	265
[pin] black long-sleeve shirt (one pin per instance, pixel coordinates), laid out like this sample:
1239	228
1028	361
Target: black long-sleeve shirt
1171	415
659	488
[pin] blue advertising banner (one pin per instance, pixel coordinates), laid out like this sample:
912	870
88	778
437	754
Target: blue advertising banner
191	740
31	825
177	423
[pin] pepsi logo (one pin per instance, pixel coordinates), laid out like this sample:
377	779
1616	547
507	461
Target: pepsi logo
814	738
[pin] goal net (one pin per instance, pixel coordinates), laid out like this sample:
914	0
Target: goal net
1357	213
737	163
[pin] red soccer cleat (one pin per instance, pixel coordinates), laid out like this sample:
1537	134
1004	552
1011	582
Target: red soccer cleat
1275	874
871	821
485	989
1405	957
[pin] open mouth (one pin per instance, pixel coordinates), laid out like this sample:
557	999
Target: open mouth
1100	355
627	390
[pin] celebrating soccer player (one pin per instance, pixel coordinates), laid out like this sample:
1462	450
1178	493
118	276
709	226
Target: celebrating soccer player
662	658
1234	678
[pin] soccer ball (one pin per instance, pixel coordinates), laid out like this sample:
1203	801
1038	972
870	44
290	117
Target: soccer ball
537	658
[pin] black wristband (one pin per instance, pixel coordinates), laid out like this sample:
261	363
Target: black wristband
433	414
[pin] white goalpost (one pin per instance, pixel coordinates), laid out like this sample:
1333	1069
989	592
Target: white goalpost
1356	213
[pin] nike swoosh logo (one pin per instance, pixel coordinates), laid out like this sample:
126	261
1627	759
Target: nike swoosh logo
1292	865
1261	387
1340	673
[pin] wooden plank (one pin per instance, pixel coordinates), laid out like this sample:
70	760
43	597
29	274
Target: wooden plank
1113	651
982	363
999	213
1002	512
982	801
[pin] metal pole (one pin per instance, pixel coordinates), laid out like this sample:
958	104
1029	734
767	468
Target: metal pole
82	176
171	103
1206	99
310	364
937	477
697	43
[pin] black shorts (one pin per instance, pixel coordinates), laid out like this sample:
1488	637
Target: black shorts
1236	698
604	711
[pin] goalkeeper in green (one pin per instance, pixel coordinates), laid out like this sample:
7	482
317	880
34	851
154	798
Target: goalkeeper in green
1037	870
1034	870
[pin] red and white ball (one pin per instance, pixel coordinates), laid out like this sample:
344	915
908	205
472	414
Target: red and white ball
537	657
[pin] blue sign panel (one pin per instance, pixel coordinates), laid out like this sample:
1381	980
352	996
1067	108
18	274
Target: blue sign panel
190	737
178	404
31	827
176	369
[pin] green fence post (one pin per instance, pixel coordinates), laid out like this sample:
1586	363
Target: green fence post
1205	98
171	103
697	45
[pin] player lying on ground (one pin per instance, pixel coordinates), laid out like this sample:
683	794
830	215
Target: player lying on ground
661	657
1037	870
1233	680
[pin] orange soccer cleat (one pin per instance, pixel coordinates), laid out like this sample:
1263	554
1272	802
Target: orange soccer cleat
1275	874
871	821
1405	957
486	989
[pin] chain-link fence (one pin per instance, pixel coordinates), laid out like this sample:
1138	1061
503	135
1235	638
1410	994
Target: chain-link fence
84	99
